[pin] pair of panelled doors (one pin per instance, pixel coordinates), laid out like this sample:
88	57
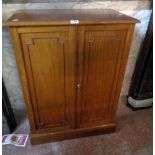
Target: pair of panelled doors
73	74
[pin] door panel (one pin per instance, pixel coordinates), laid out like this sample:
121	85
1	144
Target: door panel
50	65
100	53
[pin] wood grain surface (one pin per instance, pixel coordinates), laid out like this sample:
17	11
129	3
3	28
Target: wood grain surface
71	75
63	17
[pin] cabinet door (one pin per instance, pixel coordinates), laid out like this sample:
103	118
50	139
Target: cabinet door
49	55
100	53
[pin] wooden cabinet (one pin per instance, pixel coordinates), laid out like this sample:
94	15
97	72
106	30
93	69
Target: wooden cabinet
71	70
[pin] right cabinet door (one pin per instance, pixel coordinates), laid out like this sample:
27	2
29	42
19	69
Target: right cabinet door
99	60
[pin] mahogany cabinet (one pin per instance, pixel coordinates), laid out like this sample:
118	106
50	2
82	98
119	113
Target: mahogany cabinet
71	65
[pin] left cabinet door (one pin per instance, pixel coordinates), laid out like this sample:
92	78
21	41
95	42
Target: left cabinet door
49	55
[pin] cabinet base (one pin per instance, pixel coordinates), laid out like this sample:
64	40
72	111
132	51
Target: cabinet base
76	133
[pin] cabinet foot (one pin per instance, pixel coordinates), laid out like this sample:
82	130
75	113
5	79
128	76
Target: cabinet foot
75	133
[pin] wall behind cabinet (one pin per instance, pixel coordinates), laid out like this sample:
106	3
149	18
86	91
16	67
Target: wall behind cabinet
138	9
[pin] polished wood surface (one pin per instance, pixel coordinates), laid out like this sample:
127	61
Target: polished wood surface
71	75
49	61
101	53
70	134
63	17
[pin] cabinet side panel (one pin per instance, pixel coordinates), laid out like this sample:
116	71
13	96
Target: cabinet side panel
23	76
126	50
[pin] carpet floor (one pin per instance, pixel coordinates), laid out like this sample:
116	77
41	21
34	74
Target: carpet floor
133	136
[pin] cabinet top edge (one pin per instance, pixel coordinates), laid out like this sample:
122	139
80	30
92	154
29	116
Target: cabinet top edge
64	17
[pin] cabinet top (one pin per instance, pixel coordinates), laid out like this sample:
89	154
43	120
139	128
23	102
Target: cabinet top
68	17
